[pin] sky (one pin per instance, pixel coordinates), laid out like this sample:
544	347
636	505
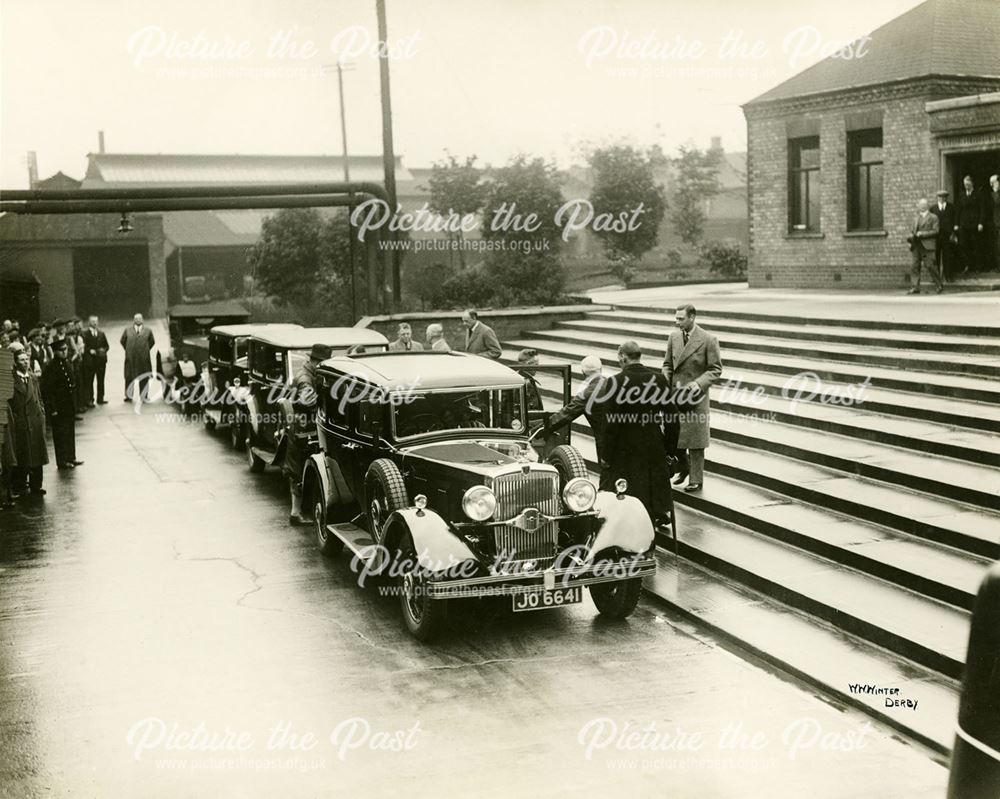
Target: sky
491	78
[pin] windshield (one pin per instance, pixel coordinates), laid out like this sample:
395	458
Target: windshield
296	360
491	408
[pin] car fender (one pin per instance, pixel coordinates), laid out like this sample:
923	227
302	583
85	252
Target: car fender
624	523
329	477
437	547
253	413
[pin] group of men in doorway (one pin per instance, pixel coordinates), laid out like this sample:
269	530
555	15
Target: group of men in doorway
956	239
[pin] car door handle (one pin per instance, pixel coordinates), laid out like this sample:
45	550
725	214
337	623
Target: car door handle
349	445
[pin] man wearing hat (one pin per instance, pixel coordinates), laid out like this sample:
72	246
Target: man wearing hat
39	353
304	401
59	395
944	256
26	432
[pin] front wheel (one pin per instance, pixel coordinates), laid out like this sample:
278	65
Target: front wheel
616	600
329	544
424	617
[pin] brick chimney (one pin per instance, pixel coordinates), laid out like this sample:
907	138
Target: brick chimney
716	143
100	141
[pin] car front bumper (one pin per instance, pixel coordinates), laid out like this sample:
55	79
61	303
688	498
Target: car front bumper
543	580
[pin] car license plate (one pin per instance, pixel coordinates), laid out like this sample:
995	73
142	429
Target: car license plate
543	600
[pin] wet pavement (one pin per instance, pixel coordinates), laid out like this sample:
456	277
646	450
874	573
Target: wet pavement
165	633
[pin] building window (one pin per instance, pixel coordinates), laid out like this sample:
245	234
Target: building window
803	188
864	179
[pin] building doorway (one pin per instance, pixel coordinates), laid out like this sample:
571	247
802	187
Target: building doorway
111	281
980	165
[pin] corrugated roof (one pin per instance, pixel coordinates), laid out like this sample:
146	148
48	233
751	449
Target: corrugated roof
137	170
938	37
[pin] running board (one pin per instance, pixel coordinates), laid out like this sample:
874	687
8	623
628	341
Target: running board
356	539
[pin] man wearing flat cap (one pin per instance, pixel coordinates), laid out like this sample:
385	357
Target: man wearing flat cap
59	395
304	401
944	256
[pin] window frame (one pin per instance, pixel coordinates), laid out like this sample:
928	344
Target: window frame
795	148
856	168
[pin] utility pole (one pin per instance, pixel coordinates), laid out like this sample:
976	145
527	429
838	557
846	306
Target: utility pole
388	157
347	179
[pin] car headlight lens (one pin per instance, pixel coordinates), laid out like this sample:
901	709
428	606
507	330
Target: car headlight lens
479	503
579	494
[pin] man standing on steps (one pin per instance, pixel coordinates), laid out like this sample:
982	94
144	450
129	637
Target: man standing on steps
480	339
586	401
923	242
691	365
944	258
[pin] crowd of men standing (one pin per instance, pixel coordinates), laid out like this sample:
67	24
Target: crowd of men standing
49	377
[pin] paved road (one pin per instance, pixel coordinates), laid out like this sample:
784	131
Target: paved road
159	620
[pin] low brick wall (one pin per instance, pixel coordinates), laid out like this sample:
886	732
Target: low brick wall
509	323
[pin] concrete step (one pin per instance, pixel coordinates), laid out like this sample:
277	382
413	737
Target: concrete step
933	570
938	362
579	343
890	322
948	478
963	442
816	652
829	331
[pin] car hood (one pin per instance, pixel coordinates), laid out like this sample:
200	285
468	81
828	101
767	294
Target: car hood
473	456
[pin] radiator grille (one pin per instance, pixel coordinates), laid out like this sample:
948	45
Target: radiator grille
514	493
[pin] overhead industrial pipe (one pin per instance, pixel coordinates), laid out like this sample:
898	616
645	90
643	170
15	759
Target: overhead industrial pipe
231	190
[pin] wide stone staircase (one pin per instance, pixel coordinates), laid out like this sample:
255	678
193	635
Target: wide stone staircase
843	543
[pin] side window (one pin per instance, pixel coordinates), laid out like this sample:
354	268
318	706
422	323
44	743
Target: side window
335	414
368	413
255	358
274	363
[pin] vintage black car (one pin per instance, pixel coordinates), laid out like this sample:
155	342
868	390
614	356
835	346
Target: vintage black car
267	416
426	473
223	375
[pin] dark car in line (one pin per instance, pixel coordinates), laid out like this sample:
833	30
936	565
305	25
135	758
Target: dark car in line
267	416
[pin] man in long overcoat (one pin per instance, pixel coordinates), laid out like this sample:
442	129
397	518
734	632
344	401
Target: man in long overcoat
634	448
691	365
59	395
27	428
137	340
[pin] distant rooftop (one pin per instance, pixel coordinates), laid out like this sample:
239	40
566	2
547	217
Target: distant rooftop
158	169
937	38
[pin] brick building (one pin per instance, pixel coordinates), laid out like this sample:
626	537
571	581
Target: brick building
82	265
839	154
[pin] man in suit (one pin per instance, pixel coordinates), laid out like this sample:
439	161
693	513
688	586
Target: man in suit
923	242
27	428
479	337
435	338
691	365
634	449
59	395
404	340
95	361
944	257
993	217
588	401
137	341
970	218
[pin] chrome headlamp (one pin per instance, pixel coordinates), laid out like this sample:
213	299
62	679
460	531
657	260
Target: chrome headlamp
479	503
579	494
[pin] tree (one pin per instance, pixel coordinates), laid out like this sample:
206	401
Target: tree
522	235
302	258
623	182
696	181
456	188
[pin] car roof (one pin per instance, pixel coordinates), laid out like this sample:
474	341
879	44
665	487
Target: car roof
302	338
250	329
425	370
